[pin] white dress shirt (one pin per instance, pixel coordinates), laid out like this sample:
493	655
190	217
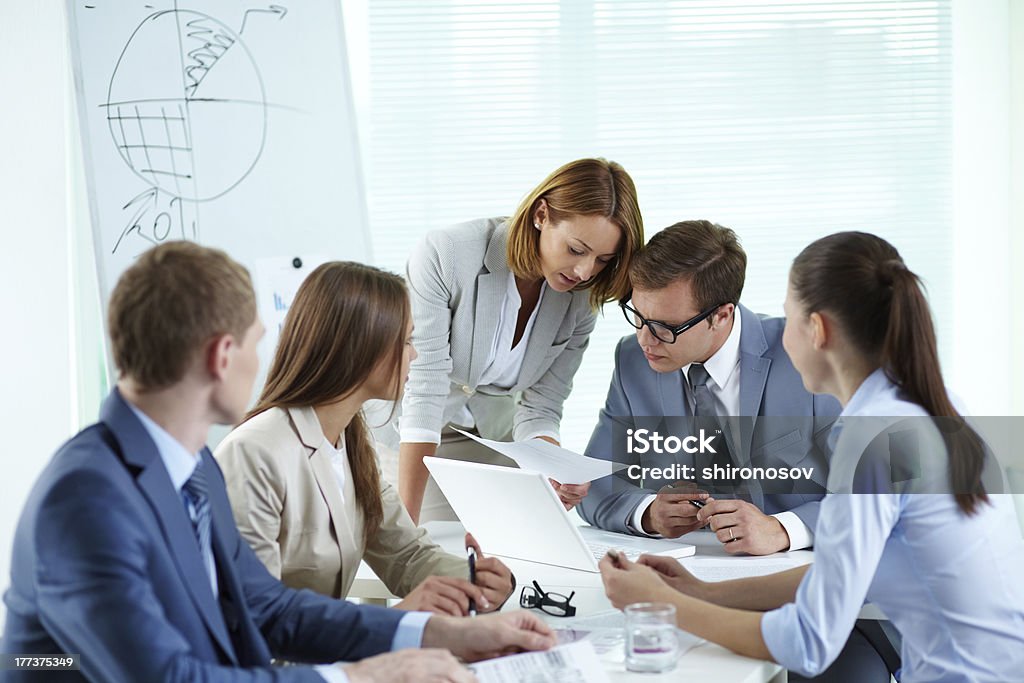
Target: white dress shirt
724	387
339	462
950	582
504	362
180	465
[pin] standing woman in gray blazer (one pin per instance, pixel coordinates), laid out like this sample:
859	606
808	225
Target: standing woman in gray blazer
503	310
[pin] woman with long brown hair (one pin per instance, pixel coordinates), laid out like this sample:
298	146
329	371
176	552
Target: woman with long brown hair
908	524
504	308
302	472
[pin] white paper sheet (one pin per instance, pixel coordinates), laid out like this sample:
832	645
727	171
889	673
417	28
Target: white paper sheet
561	464
573	663
736	568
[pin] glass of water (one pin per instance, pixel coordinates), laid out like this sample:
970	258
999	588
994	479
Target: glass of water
651	641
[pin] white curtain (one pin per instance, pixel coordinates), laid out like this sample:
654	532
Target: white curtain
783	120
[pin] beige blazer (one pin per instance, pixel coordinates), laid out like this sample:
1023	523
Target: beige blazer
457	281
287	503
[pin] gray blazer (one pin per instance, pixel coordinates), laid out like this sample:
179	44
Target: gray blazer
796	435
457	281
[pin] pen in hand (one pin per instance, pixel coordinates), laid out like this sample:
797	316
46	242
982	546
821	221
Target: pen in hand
616	557
471	556
684	487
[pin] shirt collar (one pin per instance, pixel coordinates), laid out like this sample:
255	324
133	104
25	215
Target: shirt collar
875	386
724	362
179	462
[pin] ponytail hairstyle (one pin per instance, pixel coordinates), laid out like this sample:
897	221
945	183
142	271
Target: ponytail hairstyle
346	319
862	282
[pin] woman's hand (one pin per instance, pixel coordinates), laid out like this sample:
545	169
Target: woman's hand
627	582
445	595
570	494
492	577
674	574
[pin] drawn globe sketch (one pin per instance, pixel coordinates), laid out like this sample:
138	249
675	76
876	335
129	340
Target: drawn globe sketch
186	105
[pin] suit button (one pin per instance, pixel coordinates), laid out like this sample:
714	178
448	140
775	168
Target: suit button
467	390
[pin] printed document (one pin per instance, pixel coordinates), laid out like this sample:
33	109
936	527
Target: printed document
573	663
560	464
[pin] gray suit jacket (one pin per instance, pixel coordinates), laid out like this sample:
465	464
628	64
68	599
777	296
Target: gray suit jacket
457	282
795	434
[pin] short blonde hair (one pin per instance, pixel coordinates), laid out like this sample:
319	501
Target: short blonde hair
585	187
169	304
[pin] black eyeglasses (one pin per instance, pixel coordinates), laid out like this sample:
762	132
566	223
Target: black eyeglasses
663	331
555	604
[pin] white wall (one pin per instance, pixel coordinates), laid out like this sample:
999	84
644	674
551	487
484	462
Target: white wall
37	390
1016	116
981	207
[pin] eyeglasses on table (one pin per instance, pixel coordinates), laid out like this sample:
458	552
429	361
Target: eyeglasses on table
555	604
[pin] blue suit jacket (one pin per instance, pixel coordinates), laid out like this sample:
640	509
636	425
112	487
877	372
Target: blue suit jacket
106	565
794	436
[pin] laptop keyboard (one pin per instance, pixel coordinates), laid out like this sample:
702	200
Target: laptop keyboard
599	550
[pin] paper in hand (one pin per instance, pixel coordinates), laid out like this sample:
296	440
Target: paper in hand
560	464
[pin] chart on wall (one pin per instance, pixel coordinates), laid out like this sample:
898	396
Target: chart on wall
222	122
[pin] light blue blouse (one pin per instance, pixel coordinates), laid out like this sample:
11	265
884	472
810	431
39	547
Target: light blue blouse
952	584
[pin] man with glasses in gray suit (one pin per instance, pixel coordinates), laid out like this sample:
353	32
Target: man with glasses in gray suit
699	358
702	363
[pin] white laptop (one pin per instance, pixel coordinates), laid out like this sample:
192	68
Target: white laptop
516	513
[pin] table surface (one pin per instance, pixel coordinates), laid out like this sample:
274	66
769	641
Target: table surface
704	661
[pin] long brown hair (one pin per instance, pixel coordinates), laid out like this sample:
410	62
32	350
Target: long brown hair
345	320
880	304
585	187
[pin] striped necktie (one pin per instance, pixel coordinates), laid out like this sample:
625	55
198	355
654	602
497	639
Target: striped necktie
198	489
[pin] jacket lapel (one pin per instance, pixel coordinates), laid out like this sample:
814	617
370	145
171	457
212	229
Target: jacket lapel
308	429
138	450
673	398
753	373
545	327
490	294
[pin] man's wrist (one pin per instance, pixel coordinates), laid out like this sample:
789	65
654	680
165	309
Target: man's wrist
436	633
782	535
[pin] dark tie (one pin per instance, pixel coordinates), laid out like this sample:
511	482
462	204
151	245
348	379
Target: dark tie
707	414
705	403
198	489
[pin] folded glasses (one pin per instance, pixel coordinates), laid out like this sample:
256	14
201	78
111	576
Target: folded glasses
555	604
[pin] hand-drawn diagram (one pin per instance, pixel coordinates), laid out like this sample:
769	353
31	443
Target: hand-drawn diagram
191	124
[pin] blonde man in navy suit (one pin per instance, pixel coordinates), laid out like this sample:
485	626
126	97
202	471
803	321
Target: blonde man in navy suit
126	552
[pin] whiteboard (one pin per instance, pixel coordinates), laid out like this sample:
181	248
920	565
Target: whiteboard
226	123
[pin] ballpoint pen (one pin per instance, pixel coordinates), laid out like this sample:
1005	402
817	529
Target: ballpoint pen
471	556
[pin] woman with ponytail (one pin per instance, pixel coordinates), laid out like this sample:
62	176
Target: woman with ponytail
301	470
944	565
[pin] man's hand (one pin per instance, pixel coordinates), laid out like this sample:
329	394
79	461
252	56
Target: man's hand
409	666
672	514
674	574
570	494
492	577
743	528
490	635
627	582
445	595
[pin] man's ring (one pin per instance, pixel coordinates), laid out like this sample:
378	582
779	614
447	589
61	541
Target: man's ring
731	537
